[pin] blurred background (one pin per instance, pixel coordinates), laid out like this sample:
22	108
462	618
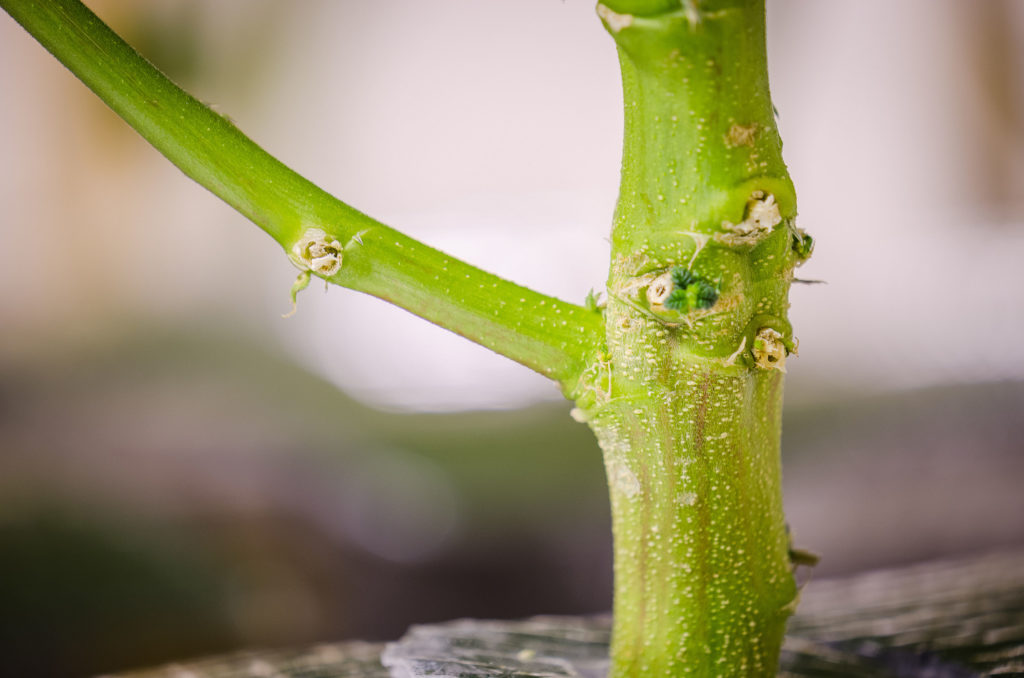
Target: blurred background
184	472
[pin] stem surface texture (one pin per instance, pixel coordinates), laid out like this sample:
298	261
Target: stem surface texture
686	396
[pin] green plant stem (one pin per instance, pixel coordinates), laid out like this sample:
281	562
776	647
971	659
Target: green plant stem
550	336
681	380
686	401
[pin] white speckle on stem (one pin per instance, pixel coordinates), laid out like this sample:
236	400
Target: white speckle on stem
622	479
688	498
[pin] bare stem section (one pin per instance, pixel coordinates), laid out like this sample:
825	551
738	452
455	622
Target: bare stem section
686	397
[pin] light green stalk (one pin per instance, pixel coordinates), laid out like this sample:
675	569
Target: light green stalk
543	333
680	378
686	401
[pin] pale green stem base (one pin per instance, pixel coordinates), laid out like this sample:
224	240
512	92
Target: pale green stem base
703	584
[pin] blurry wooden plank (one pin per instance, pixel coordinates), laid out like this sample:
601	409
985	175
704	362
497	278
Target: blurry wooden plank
952	619
333	660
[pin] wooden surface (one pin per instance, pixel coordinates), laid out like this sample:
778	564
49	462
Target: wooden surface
937	620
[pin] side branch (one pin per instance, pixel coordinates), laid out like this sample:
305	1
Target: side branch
543	333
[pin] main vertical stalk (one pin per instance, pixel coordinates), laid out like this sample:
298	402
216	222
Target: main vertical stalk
686	397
